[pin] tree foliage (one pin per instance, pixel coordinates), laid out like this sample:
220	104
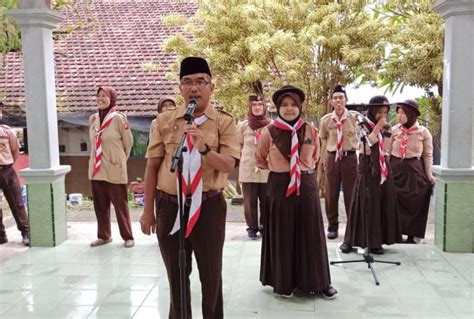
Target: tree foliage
9	34
416	55
417	44
311	44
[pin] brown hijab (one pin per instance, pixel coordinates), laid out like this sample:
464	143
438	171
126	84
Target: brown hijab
163	100
112	94
256	122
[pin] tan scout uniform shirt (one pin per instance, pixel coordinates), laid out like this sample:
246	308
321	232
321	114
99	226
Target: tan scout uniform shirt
269	157
248	171
420	144
328	133
117	142
9	145
220	133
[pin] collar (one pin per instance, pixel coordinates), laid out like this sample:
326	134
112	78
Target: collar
210	112
345	114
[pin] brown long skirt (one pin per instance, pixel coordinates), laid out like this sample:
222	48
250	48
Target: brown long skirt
381	209
413	193
294	252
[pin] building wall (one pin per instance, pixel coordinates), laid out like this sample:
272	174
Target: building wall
72	137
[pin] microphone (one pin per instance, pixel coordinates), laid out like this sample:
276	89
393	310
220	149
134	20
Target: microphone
361	120
188	115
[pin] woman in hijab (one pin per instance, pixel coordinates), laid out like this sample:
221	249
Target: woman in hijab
411	160
112	139
380	208
294	253
253	179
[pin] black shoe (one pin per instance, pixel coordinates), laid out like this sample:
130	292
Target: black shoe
3	240
332	234
252	234
377	251
410	240
25	239
329	293
345	248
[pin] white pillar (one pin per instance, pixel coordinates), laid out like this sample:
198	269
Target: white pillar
45	176
454	219
458	86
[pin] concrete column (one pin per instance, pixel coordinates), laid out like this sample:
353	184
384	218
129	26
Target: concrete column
45	176
455	176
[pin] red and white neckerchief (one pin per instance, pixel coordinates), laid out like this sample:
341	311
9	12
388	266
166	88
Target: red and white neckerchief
406	133
295	171
382	163
258	133
98	138
191	182
340	136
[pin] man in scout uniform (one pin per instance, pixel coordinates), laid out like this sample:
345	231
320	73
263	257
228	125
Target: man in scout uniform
9	152
213	152
339	143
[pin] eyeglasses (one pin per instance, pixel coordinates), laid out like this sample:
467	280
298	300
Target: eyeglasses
199	83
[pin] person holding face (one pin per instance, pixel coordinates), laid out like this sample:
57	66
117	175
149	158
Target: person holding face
339	144
411	160
112	139
380	210
213	151
294	254
253	179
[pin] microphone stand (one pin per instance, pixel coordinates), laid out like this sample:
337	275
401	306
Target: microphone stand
177	163
366	207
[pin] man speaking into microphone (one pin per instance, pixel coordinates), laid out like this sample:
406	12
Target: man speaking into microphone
212	153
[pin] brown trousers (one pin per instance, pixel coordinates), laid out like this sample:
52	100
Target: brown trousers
11	189
103	194
345	171
207	243
253	194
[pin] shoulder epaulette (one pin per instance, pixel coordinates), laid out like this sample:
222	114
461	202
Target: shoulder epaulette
224	112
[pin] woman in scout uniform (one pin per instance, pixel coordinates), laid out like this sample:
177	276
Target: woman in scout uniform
411	160
380	208
294	254
254	180
112	139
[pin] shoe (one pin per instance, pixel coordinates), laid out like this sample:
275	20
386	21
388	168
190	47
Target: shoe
288	296
345	248
332	234
25	239
377	251
100	242
410	240
329	293
3	240
129	243
252	234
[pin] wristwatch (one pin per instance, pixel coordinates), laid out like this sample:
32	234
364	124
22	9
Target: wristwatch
206	150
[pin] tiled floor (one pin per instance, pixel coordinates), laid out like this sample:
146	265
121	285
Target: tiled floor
76	281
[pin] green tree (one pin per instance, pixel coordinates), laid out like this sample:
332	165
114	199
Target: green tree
311	44
9	34
416	56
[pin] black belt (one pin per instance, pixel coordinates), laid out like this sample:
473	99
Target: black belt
344	153
2	167
174	198
408	158
308	172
